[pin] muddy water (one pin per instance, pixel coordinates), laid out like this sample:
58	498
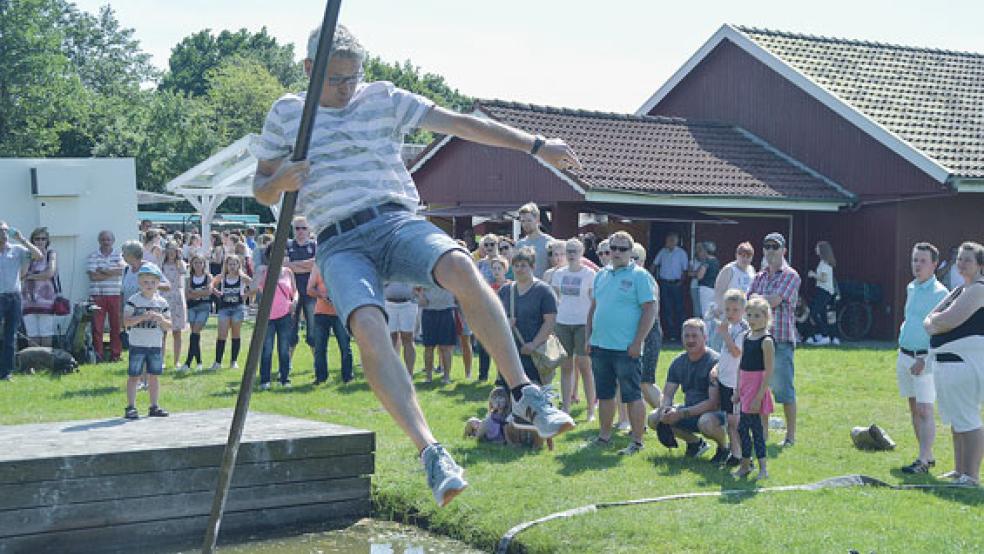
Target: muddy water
365	537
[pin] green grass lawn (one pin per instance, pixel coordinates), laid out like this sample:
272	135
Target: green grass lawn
837	390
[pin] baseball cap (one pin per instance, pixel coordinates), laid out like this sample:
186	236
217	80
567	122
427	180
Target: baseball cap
777	238
150	268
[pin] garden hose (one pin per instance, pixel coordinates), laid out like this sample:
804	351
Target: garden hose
831	483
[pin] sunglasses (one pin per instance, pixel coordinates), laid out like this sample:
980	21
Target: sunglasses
490	245
770	246
300	228
620	248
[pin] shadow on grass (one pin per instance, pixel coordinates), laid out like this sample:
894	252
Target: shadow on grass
99	391
469	391
711	475
963	495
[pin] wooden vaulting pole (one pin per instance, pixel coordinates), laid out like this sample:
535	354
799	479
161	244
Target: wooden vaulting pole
315	86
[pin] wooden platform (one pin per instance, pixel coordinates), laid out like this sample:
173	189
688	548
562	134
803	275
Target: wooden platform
147	485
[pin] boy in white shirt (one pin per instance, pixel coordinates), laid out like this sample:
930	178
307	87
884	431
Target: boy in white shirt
732	332
147	319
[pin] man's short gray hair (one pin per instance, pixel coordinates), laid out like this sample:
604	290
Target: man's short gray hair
344	45
132	248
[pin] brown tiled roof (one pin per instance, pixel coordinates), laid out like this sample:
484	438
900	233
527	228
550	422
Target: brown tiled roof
933	99
662	155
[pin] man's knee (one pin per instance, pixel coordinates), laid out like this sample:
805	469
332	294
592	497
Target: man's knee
924	411
708	423
455	269
367	321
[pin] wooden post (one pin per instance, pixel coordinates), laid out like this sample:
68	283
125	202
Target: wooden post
328	25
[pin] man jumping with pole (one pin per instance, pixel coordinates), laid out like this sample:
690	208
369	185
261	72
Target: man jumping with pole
360	201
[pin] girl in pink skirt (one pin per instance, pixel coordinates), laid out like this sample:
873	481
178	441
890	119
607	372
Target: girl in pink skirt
757	364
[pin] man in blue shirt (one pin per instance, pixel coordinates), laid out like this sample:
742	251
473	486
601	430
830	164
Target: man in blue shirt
13	257
668	267
622	312
915	377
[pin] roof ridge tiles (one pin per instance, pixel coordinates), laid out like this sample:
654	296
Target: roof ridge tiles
580	112
855	42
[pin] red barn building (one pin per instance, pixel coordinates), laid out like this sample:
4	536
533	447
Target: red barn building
869	146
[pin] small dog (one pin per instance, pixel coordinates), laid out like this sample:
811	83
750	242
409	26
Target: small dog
43	358
498	426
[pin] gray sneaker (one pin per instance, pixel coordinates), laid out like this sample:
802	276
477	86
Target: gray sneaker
444	477
535	408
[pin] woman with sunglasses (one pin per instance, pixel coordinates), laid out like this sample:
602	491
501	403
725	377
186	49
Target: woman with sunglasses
39	290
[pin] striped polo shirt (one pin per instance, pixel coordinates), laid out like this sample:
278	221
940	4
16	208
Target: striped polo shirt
109	287
354	152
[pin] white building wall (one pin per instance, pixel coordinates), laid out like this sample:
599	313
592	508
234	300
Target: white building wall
76	199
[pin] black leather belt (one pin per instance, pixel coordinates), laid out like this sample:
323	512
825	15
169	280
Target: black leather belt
401	301
913	353
947	357
358	218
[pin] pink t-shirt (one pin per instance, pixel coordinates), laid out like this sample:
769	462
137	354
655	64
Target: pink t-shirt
284	295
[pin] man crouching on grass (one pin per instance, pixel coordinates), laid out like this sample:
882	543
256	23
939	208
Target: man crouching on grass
360	200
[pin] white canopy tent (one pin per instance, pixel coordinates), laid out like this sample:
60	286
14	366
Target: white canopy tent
226	174
229	174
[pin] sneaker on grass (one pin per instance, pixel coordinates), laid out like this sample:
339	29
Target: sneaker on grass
444	477
131	413
633	448
721	456
919	466
695	449
534	407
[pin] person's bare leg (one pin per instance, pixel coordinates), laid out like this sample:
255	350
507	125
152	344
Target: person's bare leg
154	388
711	429
395	337
466	354
131	390
409	352
429	362
447	361
926	433
637	417
973	452
651	394
566	383
582	365
733	435
606	414
177	347
574	397
387	376
789	410
457	273
958	451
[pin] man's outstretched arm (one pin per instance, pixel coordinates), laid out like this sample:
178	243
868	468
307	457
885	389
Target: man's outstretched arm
492	133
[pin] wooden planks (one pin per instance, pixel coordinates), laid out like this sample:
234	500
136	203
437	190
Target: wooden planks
102	486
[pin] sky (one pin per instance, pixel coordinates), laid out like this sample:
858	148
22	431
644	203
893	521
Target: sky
608	56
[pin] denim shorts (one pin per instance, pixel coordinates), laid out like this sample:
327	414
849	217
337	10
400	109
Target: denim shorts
782	377
393	246
690	424
150	356
611	366
234	313
199	314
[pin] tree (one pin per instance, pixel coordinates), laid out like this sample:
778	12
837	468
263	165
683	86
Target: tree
167	133
106	57
198	54
240	93
408	76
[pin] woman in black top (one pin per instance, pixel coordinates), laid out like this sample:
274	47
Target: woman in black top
956	329
198	297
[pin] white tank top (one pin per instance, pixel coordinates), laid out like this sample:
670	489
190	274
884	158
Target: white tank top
741	280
